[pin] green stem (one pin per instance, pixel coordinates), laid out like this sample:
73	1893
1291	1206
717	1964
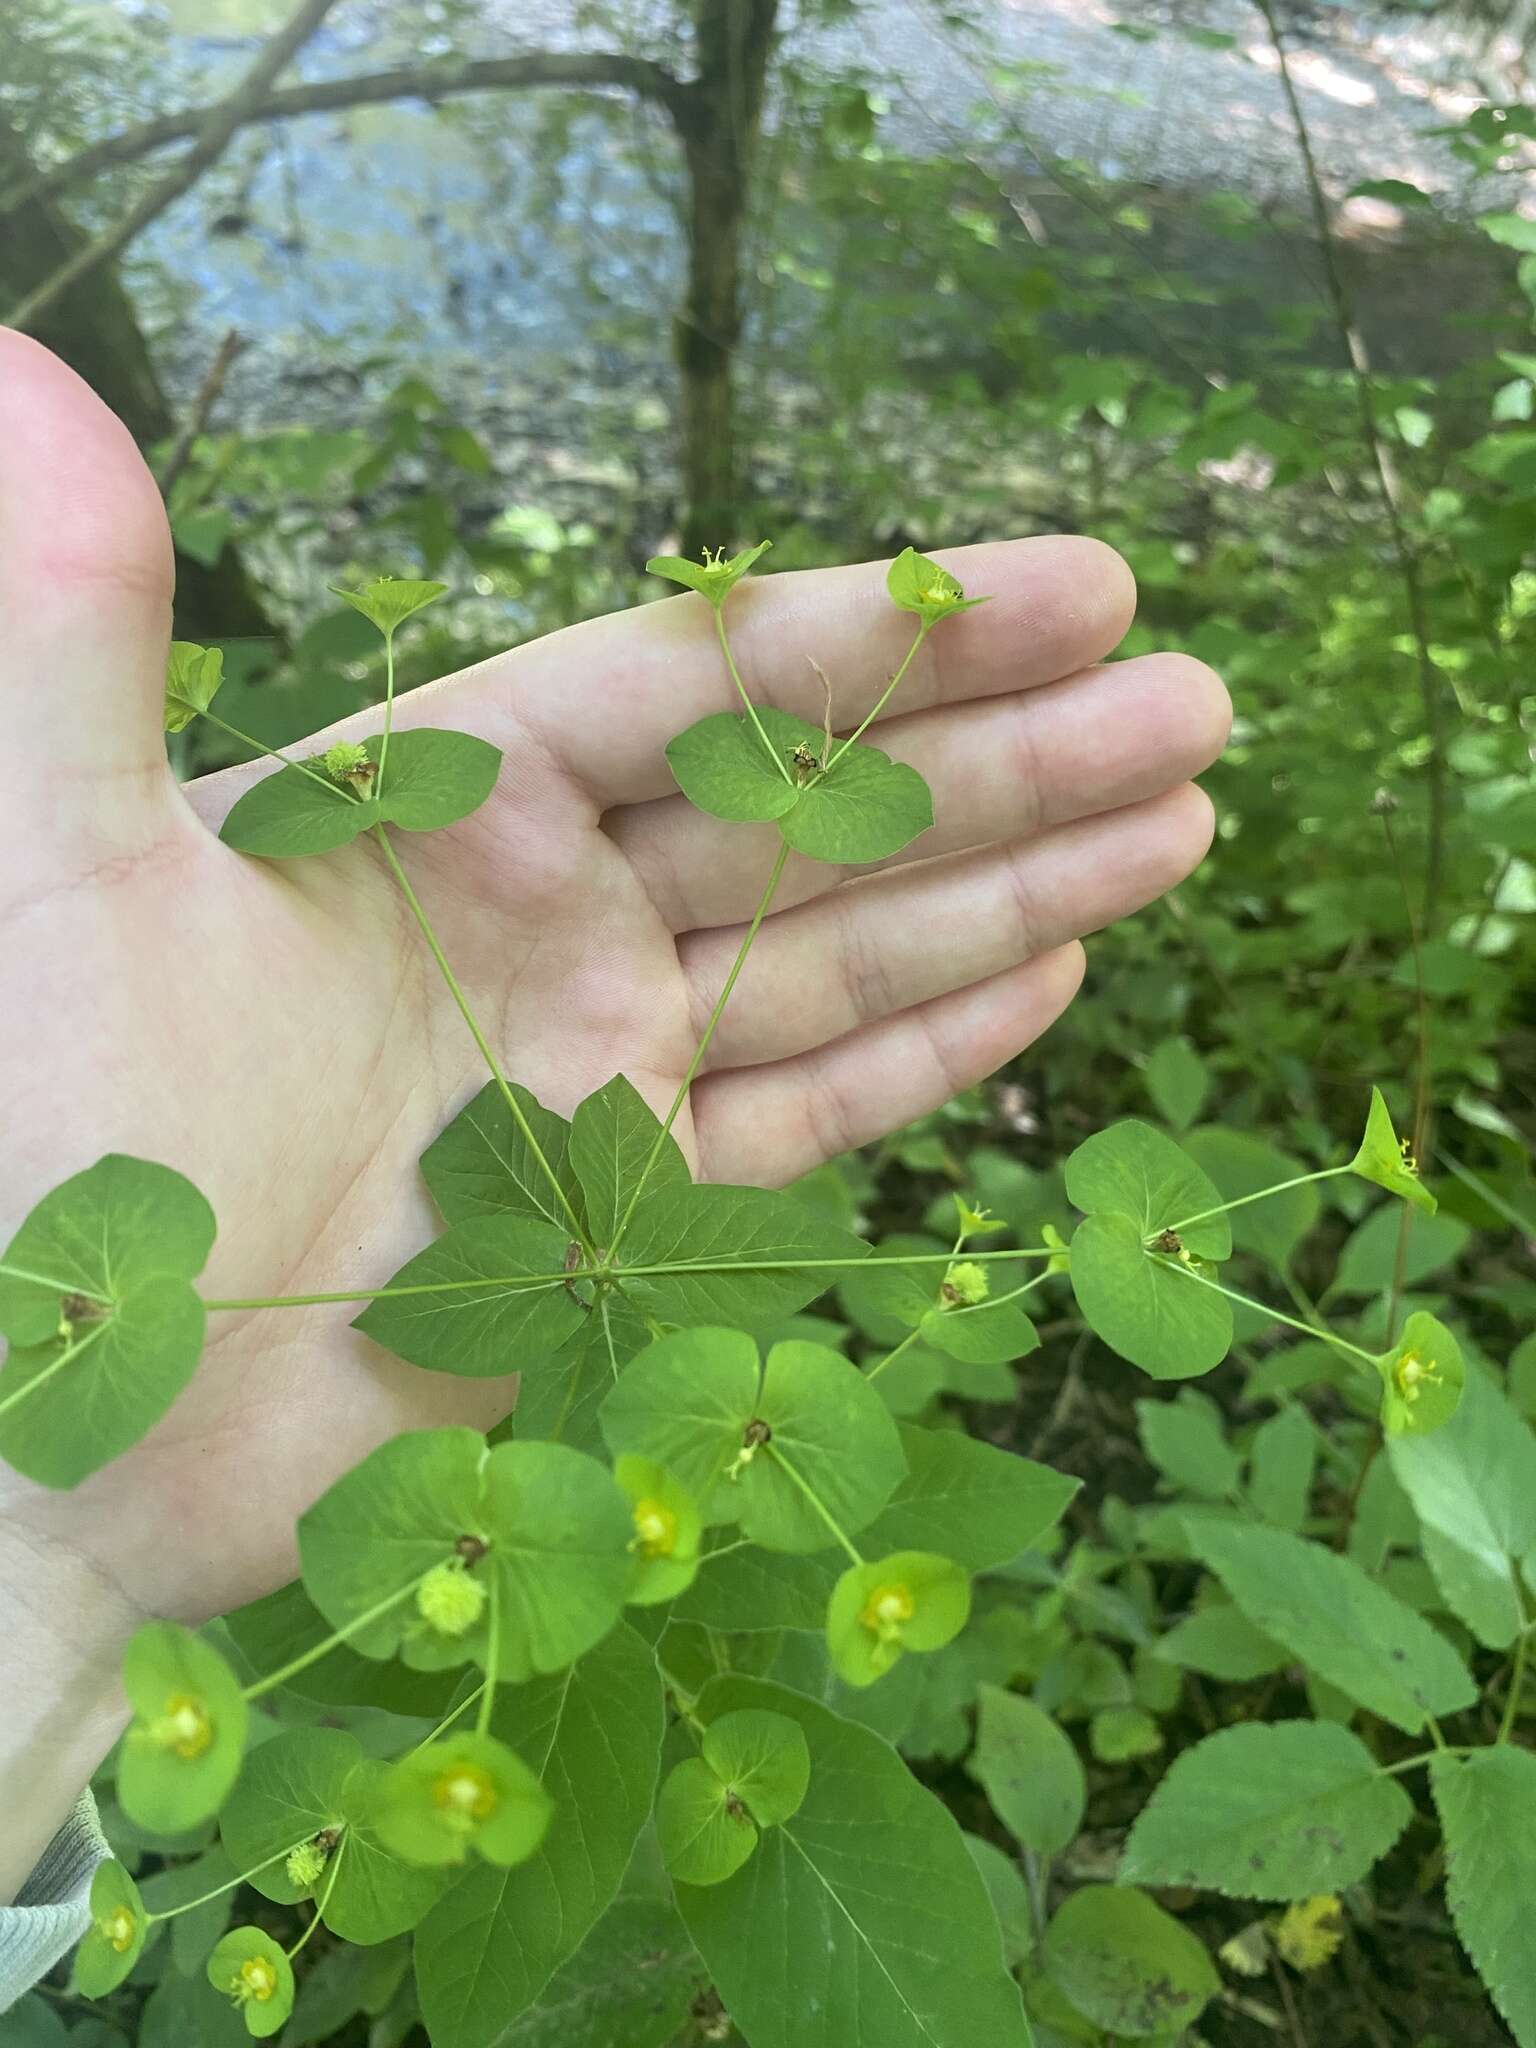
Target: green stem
453	1714
704	1043
389	704
891	1357
1301	1180
815	1499
41	1379
325	1897
1273	1315
276	754
54	1286
492	1655
228	1885
924	629
1516	1681
741	691
536	1151
1414	1763
536	1281
323	1649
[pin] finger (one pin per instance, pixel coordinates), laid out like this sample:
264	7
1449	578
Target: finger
86	576
899	939
604	698
768	1124
1002	769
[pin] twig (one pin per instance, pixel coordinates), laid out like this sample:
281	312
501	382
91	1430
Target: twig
1386	478
214	133
429	82
202	406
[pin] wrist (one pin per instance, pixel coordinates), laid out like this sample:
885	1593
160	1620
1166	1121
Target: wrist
63	1626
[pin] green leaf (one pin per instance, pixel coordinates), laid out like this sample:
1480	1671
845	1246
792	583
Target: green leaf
1384	1158
986	1333
866	807
562	1400
1133	1170
1240	1164
482	1165
249	1967
724	770
705	1835
1219	1641
968	1500
316	1782
1268	1810
1185	1441
182	1753
631	1981
192	678
104	1325
1119	1735
1125	1964
1473	1488
835	1433
764	1247
667	1530
274	1630
1369	1263
1342	1625
860	1956
1178	1081
1512	229
114	1941
594	1736
493	1300
1487	1807
1160	1319
460	1792
389	601
911	1600
612	1136
1010	1897
917	584
434	778
1029	1771
714	576
1282	1459
685	1403
1422	1378
759	1590
762	1759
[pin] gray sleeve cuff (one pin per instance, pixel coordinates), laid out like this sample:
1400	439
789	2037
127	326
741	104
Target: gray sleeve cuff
52	1909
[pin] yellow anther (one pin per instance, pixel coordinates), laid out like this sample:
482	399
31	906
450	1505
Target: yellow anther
885	1611
655	1529
466	1796
184	1727
1412	1373
118	1929
258	1979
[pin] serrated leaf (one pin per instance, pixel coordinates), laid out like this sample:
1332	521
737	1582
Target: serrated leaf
1125	1964
1029	1771
1473	1487
1487	1807
969	1500
1219	1641
612	1136
482	1165
593	1735
1268	1810
493	1299
763	1247
1281	1462
1160	1319
1342	1625
862	1956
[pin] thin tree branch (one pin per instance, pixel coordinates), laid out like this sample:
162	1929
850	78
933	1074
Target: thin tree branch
213	135
1430	689
202	406
429	82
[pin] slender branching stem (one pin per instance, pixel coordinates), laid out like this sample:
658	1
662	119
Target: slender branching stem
790	1470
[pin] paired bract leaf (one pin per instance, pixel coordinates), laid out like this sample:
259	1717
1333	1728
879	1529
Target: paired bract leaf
1422	1377
249	1967
433	778
714	576
389	601
1125	1964
183	1752
752	1773
192	678
911	1600
1133	1170
460	1793
858	1954
115	1939
104	1325
917	584
1278	1810
1385	1158
491	1298
835	1435
1160	1318
1029	1771
705	1835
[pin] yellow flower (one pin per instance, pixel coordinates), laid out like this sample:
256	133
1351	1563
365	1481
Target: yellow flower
1310	1932
184	1727
117	1930
655	1529
258	1979
465	1795
449	1600
885	1610
1411	1374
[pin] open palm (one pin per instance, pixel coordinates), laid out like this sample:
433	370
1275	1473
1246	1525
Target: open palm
278	1032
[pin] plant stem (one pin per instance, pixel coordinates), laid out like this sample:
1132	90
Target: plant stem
815	1499
323	1649
1273	1315
41	1379
325	1897
453	1714
741	691
536	1151
891	1357
389	703
1301	1180
704	1043
228	1885
492	1655
276	754
1516	1681
923	630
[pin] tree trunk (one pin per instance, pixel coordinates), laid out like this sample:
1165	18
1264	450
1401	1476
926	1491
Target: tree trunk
92	326
718	121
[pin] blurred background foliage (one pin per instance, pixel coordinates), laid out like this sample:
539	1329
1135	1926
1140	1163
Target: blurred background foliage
1246	290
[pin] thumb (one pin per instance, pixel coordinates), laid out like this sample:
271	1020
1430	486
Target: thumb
86	576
